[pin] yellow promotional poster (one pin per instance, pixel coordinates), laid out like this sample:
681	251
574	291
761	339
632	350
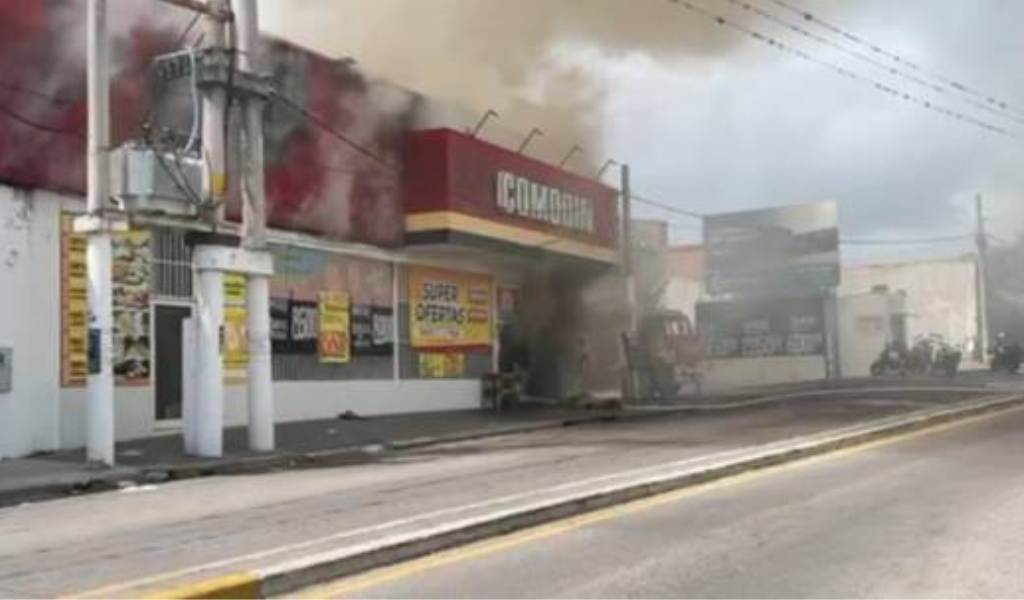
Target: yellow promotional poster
438	365
130	275
74	305
335	338
235	349
449	309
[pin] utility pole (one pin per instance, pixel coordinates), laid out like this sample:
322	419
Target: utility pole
627	249
215	255
96	225
981	281
629	338
254	237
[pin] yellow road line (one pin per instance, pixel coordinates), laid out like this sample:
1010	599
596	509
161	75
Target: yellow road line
376	577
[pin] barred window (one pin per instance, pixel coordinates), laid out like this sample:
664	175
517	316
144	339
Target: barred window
172	263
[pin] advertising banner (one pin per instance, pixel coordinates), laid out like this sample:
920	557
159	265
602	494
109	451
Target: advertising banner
334	343
303	275
131	275
786	249
235	342
449	309
74	305
442	365
780	326
131	280
372	330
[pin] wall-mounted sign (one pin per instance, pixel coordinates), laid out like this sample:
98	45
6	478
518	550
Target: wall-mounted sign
517	195
442	365
768	326
784	250
372	330
130	297
334	343
235	342
449	309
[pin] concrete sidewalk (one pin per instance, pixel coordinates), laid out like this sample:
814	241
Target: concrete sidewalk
300	444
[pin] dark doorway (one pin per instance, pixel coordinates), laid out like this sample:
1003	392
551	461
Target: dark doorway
168	359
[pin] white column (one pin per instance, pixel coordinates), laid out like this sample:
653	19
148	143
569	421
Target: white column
260	390
188	399
396	346
209	416
99	386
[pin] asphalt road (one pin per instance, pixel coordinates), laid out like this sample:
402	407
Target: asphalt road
223	524
935	514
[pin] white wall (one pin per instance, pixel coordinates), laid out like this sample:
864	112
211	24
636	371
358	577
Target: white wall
940	295
725	374
682	294
30	318
865	328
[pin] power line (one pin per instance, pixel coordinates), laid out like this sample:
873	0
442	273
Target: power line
764	14
905	242
666	207
14	87
324	125
40	126
896	58
877	85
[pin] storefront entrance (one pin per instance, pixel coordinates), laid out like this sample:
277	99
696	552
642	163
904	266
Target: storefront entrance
168	359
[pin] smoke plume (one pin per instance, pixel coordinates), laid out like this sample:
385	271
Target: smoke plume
520	58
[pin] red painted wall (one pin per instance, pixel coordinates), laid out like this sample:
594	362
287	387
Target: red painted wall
315	182
447	170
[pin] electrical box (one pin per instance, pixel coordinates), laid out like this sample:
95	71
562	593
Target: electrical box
6	369
145	181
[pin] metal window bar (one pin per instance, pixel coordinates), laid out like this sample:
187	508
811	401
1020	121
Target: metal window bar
172	264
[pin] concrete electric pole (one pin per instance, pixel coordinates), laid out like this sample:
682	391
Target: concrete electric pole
215	256
96	225
981	281
254	237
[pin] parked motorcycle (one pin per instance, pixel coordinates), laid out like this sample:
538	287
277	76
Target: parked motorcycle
891	361
1006	355
947	360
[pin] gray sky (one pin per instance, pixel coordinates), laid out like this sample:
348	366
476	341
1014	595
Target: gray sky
725	122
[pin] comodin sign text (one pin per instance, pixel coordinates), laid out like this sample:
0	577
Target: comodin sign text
517	195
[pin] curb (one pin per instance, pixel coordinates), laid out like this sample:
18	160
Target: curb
161	473
119	477
292	575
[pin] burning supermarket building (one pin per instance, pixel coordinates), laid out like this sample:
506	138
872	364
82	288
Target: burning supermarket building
409	261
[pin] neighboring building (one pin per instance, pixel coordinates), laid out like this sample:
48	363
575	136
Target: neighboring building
424	254
941	297
686	278
876	303
869	322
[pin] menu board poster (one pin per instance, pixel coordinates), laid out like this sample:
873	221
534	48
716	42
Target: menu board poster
74	305
130	277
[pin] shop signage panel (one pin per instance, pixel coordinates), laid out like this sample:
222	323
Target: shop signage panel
334	343
449	309
767	326
787	249
372	330
441	365
235	339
